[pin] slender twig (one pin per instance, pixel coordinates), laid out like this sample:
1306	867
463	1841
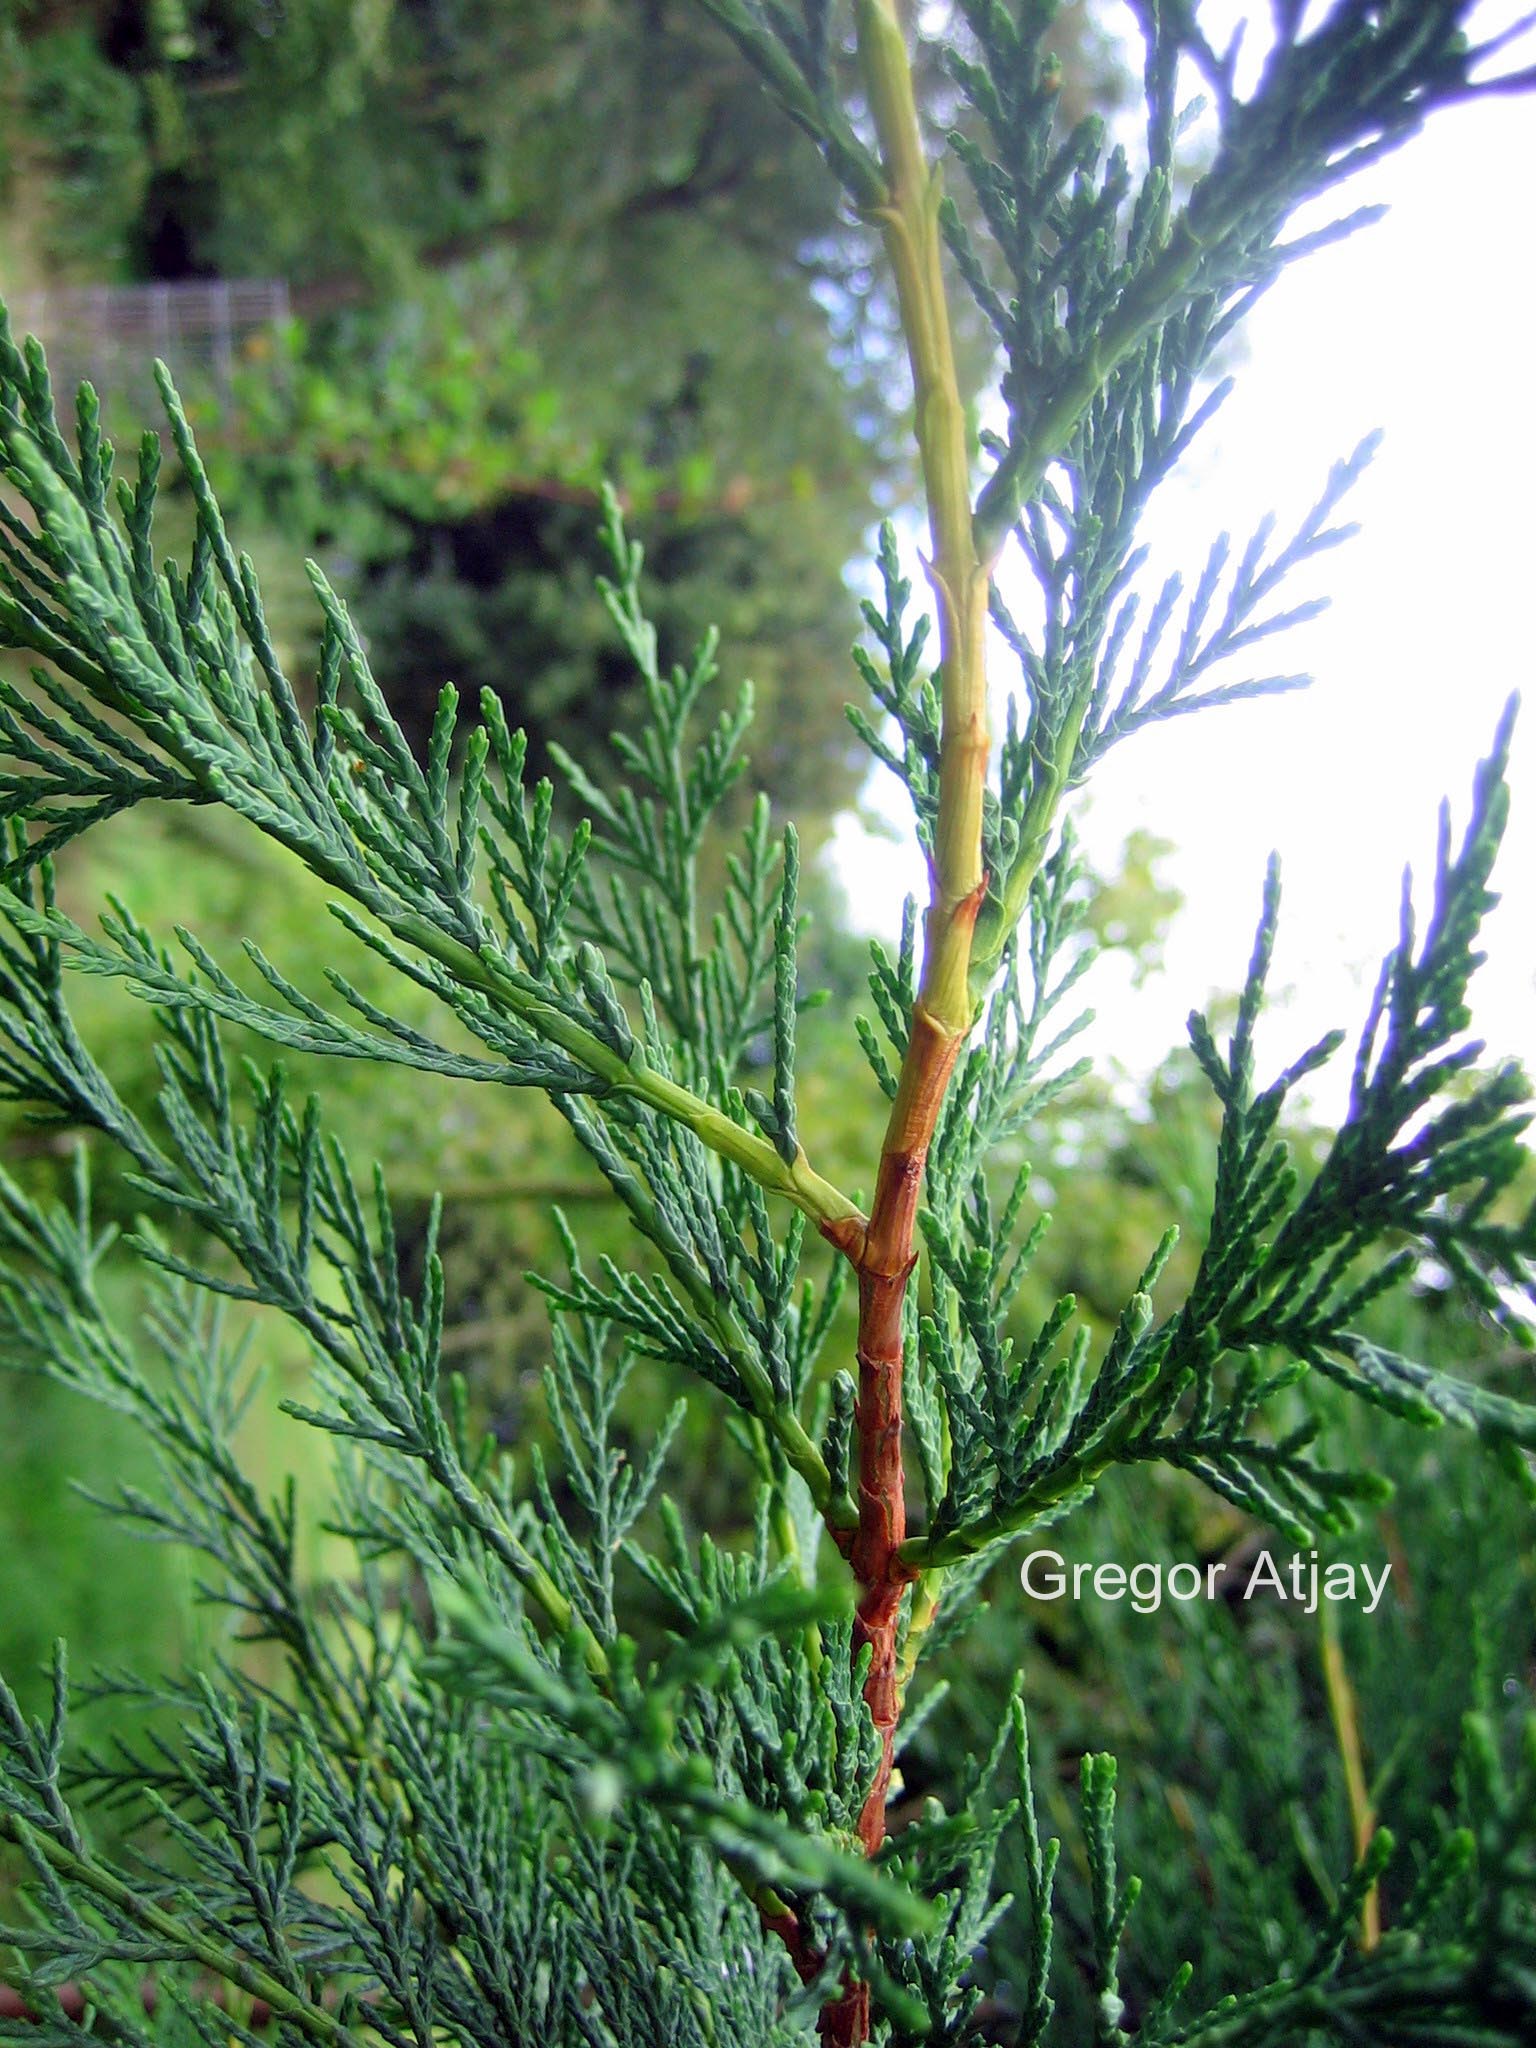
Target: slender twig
1343	1711
826	1206
131	1901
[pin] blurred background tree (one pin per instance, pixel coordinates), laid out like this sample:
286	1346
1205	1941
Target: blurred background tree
530	246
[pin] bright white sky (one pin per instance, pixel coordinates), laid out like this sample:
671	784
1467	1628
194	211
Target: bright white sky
1420	325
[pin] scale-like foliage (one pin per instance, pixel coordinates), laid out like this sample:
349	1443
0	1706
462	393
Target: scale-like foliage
542	1763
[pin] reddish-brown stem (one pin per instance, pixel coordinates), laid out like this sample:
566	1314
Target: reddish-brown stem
884	1264
843	2019
781	1920
883	1252
884	1256
845	2022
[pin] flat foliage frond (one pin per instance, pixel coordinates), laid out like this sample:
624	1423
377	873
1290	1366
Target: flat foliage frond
539	1760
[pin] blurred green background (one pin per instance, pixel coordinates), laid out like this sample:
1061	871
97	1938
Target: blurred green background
506	250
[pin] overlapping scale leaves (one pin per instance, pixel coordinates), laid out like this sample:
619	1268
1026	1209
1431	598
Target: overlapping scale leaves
478	1807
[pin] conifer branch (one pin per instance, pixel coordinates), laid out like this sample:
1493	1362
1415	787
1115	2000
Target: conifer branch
189	665
534	1826
172	1934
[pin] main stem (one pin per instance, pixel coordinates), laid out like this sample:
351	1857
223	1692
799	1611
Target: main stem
882	1252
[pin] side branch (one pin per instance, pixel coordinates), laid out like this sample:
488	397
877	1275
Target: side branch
296	2011
826	1206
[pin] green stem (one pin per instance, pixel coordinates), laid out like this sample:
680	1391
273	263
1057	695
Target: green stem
130	1900
847	155
1344	1712
924	1612
523	1565
908	219
1144	306
929	1553
775	1416
825	1205
925	1553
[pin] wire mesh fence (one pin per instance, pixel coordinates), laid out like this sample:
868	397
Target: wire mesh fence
111	334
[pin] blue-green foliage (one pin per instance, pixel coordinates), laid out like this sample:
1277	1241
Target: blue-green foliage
475	1805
